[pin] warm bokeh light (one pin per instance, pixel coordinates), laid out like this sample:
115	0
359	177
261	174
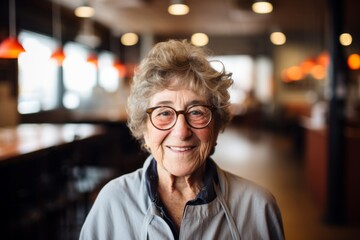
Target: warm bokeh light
84	12
262	7
129	39
307	65
323	59
354	61
178	9
291	74
199	39
345	39
318	72
315	67
294	73
278	38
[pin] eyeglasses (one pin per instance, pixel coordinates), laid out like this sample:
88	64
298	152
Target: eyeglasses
165	117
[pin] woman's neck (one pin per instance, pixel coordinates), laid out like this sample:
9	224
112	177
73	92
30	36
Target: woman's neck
175	192
184	185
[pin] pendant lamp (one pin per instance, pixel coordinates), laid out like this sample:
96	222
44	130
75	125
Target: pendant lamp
93	59
10	47
84	10
58	55
262	6
178	7
120	67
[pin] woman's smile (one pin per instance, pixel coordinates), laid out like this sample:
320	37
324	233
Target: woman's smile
181	149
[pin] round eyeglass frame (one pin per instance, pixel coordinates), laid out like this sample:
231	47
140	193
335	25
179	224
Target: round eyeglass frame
149	111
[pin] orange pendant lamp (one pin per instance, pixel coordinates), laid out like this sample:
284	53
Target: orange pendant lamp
93	59
58	55
10	47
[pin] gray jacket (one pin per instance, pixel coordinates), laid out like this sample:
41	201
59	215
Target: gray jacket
241	210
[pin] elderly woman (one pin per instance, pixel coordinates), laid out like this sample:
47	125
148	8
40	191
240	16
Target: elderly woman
177	106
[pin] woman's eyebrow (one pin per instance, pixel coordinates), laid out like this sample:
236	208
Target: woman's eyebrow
166	103
163	103
195	102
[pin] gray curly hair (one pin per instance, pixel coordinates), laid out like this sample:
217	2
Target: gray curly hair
177	64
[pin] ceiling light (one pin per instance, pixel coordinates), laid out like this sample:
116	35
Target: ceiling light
199	39
262	7
278	38
345	39
129	39
84	11
177	7
10	47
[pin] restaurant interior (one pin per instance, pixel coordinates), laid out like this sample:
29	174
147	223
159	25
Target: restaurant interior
65	76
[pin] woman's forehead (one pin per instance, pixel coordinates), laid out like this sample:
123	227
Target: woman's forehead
179	96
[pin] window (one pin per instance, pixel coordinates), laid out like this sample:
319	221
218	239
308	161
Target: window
241	67
108	75
40	80
250	75
79	75
38	76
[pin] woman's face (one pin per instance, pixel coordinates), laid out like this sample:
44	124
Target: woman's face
180	150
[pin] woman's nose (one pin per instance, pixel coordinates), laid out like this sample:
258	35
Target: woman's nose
181	128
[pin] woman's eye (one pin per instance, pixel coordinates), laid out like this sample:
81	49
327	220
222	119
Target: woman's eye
196	113
164	113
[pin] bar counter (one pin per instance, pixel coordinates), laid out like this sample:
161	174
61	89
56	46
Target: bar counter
47	175
25	139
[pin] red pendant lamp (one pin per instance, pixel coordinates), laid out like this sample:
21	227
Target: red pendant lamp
58	55
93	59
120	67
10	47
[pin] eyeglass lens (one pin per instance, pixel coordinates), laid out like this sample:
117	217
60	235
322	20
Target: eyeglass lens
197	116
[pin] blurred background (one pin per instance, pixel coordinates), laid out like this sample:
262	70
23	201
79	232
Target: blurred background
65	70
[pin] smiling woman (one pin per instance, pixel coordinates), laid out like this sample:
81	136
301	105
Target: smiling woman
177	106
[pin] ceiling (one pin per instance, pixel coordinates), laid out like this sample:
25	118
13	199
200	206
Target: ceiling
214	17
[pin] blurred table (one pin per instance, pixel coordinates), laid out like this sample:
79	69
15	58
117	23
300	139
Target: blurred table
26	139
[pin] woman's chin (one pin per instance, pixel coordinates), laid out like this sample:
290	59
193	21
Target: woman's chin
180	167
